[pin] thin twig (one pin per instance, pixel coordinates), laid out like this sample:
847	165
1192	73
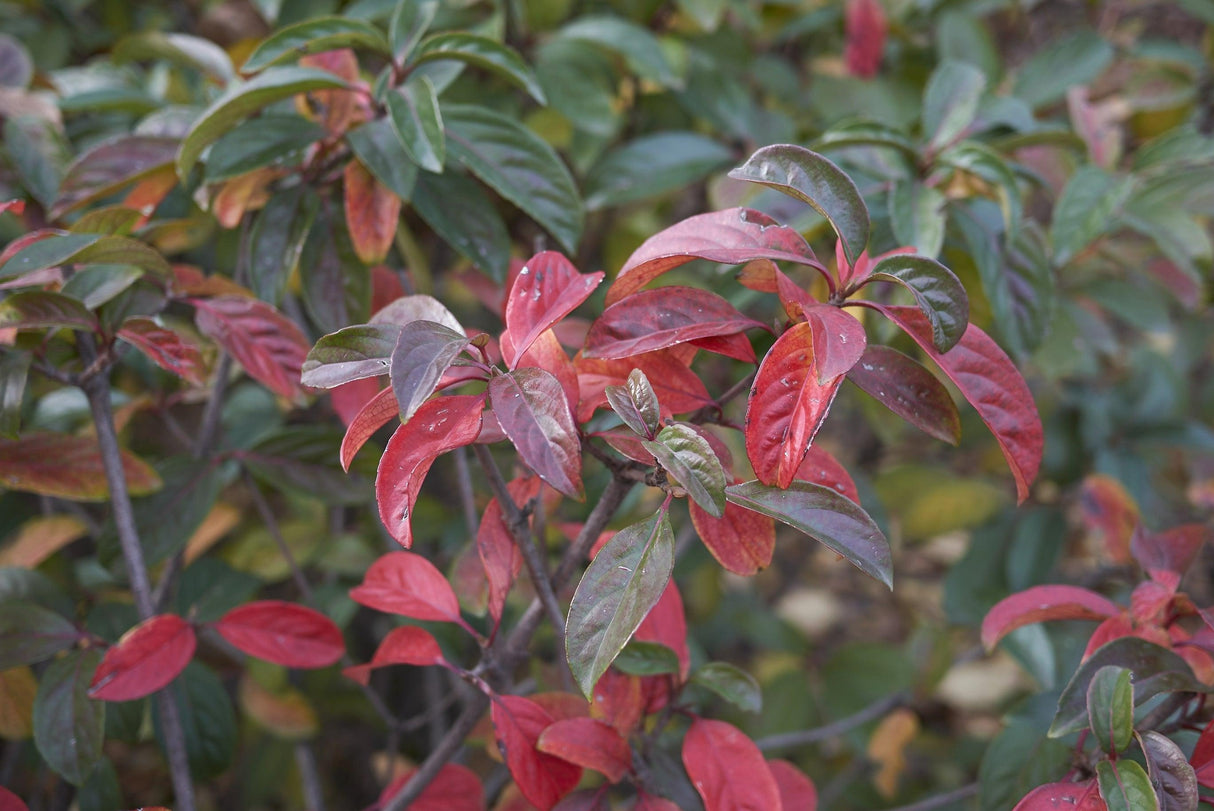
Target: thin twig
940	800
442	753
267	518
467	500
209	426
804	737
305	761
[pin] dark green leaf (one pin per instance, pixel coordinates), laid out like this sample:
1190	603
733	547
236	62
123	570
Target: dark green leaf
84	249
690	462
621	585
581	85
101	791
638	47
1111	708
14	371
811	178
424	351
94	285
180	49
35	309
825	516
1085	210
336	284
732	684
272	139
652	165
37	154
69	727
30	633
1019	759
313	36
916	213
937	291
419	123
380	150
483	53
1124	786
18	585
207	719
303	458
1173	778
866	133
950	102
646	659
462	214
277	239
409	24
1067	62
209	588
350	354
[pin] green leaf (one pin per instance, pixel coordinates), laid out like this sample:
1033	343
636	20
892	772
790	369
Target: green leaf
811	178
419	123
269	139
950	102
1110	702
209	588
188	51
207	719
301	459
336	284
1085	210
37	154
636	404
973	157
96	285
621	585
646	659
481	52
916	213
1073	60
379	148
866	133
937	291
691	462
1019	759
84	249
652	165
243	99
732	684
69	727
277	240
580	84
462	214
518	165
1124	786
638	47
30	633
14	371
350	354
825	516
313	36
35	309
410	21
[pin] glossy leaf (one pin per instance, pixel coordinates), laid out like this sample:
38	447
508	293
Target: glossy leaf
39	309
660	318
820	467
636	404
730	683
145	660
652	165
906	388
277	240
639	658
1174	780
269	346
30	633
462	214
83	249
547	289
407	645
481	52
380	150
69	727
1110	702
544	779
787	406
165	347
950	101
838	340
690	461
440	425
314	36
727	769
811	178
1124	786
742	541
283	633
1063	797
271	139
14	373
377	413
423	352
825	516
67	466
454	788
622	584
1041	603
349	354
407	584
531	407
937	291
590	744
188	51
418	122
107	167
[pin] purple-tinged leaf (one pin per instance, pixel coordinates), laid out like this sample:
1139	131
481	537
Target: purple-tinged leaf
269	346
166	347
419	307
742	541
906	388
40	309
532	409
656	319
691	463
1041	603
937	291
1174	779
109	166
350	354
30	633
424	350
636	404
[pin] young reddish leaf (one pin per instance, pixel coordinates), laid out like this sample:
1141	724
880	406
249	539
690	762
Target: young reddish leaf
543	778
742	542
678	389
338	108
1203	756
796	790
1041	603
166	348
1170	551
499	555
283	633
371	213
865	26
269	346
408	584
530	405
838	340
909	390
1150	601
1083	796
621	585
407	645
666	624
547	353
819	467
350	398
590	744
787	407
937	290
1173	777
67	466
8	800
1110	513
825	516
145	659
440	425
736	346
454	788
377	413
731	237
655	319
545	290
991	383
422	354
727	769
352	353
652	802
17	207
691	463
618	700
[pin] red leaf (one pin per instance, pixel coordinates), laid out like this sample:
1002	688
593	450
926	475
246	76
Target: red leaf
736	346
617	699
1171	551
377	413
340	108
838	340
1041	603
866	27
1203	751
787	407
269	346
652	802
727	769
990	381
732	236
679	389
655	319
1083	796
371	213
542	778
666	624
530	405
796	790
454	788
165	348
145	659
588	743
439	425
561	705
820	467
15	206
385	287
499	555
352	396
547	353
408	584
545	290
909	390
1110	512
283	633
742	542
67	466
407	645
8	800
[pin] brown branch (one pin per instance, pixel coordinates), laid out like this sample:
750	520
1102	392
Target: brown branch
941	800
803	737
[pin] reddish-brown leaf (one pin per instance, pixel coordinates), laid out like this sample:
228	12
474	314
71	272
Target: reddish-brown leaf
377	413
666	624
1170	551
1109	512
150	192
866	26
145	659
1041	603
407	645
742	542
235	197
989	380
283	633
547	353
727	769
787	407
109	166
438	426
371	213
67	466
618	699
352	396
732	236
590	744
1203	756
838	340
909	390
796	790
655	319
8	800
338	109
820	467
191	281
17	207
545	290
530	406
1083	796
652	802
679	389
408	584
269	346
454	788
543	779
736	346
499	555
166	348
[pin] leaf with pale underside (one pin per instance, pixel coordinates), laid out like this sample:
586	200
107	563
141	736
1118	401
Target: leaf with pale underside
423	351
531	407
